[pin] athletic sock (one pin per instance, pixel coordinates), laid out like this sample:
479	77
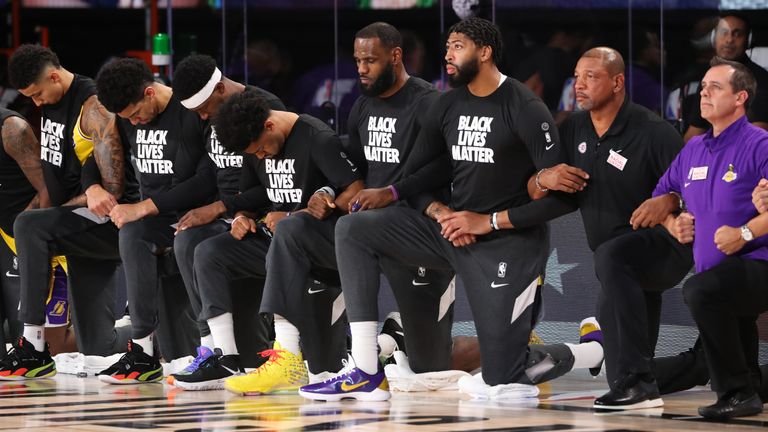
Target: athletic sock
586	355
207	341
364	346
387	345
223	333
287	335
146	344
35	334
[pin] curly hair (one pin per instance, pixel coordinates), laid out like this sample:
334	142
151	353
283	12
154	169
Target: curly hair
192	74
483	33
388	35
27	64
240	120
121	82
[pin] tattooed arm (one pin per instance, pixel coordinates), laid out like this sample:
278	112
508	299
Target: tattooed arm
101	126
20	143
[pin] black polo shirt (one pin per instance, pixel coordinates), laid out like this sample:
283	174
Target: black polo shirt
624	166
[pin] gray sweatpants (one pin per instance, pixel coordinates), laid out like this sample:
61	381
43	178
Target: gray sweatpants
252	331
305	248
92	259
501	274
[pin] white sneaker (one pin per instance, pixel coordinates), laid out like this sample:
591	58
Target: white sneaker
177	365
476	387
320	377
402	378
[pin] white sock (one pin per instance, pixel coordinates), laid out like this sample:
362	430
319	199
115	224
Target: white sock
35	334
207	341
146	344
287	335
364	345
387	345
223	333
586	355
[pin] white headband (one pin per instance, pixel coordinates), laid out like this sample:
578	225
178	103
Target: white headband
198	98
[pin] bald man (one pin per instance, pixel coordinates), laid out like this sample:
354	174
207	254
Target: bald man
620	150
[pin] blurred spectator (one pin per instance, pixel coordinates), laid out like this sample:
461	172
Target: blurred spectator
545	71
643	78
319	94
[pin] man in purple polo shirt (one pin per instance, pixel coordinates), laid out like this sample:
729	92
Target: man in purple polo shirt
716	173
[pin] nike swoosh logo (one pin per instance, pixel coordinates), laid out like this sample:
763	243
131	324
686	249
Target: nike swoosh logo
686	184
311	291
549	147
495	285
9	274
349	387
419	283
399	333
617	151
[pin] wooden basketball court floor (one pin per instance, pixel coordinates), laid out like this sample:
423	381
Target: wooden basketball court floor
69	403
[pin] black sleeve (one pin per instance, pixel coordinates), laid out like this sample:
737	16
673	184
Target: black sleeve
428	167
354	146
665	143
537	129
332	161
550	207
253	196
194	177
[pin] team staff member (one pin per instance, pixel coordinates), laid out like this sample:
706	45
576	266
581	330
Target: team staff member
716	174
202	88
21	188
731	39
166	142
74	125
296	155
491	133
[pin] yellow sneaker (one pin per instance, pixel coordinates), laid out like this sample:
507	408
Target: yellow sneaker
284	371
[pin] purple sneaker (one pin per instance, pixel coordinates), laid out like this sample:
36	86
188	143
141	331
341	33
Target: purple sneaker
350	383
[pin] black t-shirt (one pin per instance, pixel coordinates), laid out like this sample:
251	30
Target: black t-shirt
624	166
493	143
382	132
312	157
169	154
15	190
758	109
228	164
58	148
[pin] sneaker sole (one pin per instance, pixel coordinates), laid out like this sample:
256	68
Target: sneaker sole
279	390
652	403
201	386
25	378
376	395
109	380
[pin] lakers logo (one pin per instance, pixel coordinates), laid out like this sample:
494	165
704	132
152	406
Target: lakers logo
730	175
59	308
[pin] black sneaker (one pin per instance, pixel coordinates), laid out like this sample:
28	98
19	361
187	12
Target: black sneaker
134	367
211	373
23	362
631	392
393	327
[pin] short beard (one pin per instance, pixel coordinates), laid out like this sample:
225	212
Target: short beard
465	73
383	83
